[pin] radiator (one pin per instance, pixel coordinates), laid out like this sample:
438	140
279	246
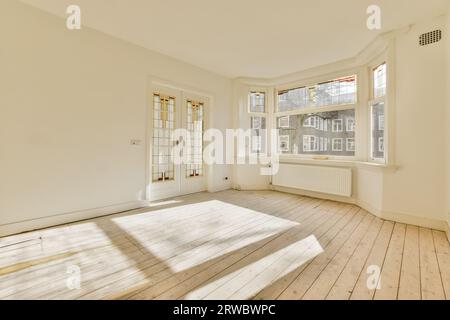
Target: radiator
335	181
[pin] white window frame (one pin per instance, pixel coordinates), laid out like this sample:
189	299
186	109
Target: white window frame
327	124
339	128
350	127
381	143
258	143
307	122
249	109
372	103
333	148
253	127
287	139
374	94
256	140
347	144
312	85
284	126
312	140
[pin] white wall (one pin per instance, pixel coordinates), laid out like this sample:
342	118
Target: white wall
417	187
70	102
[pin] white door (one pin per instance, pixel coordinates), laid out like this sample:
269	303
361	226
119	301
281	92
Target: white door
169	110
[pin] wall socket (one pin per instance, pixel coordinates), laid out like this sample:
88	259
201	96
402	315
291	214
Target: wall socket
135	142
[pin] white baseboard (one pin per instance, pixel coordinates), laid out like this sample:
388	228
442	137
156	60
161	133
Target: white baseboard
393	216
51	221
414	220
250	187
224	187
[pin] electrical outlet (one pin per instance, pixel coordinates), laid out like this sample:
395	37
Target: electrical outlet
135	142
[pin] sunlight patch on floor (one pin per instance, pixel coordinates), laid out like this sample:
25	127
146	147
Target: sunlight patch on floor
200	232
254	276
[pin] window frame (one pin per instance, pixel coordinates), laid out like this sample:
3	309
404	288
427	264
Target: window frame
381	143
315	82
261	147
337	130
374	101
333	149
353	127
249	111
288	122
308	82
288	143
362	67
347	144
312	140
263	142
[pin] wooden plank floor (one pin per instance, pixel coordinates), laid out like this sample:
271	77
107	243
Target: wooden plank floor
229	245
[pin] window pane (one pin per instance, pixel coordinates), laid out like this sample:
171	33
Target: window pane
163	126
379	81
258	102
293	99
194	124
258	137
377	115
322	133
336	92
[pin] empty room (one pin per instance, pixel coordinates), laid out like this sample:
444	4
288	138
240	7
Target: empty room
243	151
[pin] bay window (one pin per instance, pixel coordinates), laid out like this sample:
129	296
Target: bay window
318	119
324	120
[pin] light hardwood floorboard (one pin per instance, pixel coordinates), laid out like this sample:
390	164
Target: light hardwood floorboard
343	286
410	272
229	245
430	275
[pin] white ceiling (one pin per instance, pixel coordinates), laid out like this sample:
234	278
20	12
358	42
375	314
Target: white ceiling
247	38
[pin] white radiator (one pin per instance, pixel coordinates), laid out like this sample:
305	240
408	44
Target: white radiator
336	181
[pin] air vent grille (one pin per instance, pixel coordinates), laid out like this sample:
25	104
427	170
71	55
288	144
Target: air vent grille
430	37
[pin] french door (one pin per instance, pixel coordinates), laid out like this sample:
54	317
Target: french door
170	110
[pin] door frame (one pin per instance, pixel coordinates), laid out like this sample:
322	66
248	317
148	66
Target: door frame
180	92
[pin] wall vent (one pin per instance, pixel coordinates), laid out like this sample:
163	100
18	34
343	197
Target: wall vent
430	37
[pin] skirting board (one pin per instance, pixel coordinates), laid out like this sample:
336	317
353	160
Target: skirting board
392	216
249	187
51	221
414	220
